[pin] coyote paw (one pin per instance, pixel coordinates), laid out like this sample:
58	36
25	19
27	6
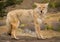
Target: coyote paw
42	37
14	37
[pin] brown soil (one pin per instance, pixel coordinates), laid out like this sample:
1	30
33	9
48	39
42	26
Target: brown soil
5	38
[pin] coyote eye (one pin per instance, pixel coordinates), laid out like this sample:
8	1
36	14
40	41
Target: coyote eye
39	7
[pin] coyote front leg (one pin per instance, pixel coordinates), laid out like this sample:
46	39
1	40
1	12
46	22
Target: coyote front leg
37	27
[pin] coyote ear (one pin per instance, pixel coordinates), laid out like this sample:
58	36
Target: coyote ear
36	3
47	4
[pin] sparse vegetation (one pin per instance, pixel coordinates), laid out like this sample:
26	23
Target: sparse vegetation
58	28
53	20
33	5
52	3
59	19
2	7
4	4
48	27
13	2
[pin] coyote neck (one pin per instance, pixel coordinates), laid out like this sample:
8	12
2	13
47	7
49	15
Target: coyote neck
37	10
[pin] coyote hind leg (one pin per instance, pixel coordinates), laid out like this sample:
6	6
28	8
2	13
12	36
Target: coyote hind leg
14	29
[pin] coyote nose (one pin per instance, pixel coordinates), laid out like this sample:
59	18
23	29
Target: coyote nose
41	11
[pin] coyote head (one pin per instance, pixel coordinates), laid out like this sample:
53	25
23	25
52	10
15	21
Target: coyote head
42	8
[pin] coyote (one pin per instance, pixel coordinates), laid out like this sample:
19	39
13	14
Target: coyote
15	17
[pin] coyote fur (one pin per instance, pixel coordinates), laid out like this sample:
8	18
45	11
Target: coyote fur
15	17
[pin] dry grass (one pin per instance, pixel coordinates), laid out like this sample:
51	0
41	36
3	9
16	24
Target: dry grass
52	17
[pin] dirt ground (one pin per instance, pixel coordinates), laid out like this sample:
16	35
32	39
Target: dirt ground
5	38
